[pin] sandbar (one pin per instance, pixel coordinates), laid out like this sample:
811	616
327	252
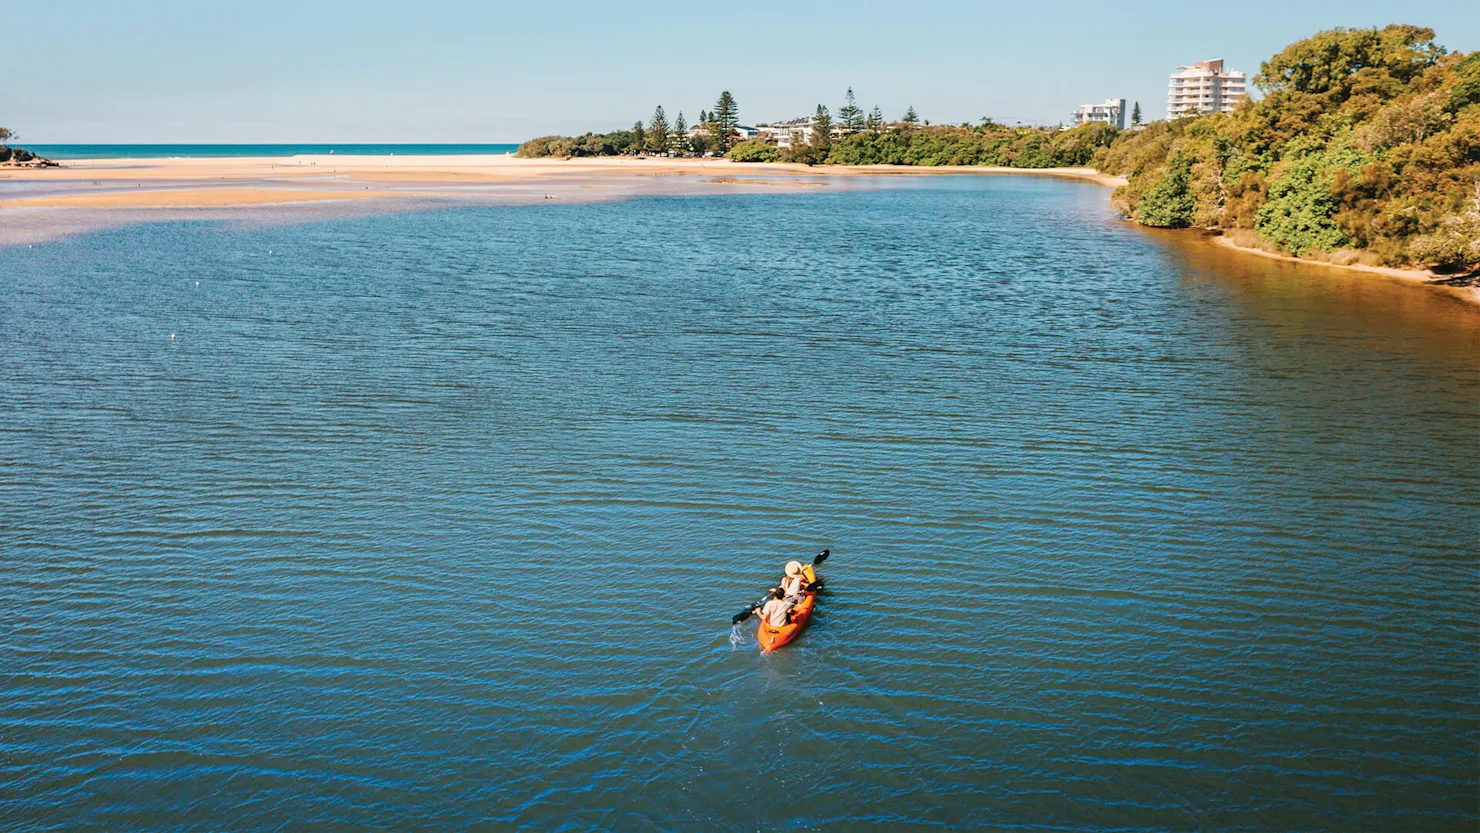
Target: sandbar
330	174
218	197
88	194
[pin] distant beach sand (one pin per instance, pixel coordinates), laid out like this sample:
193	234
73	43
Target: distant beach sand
221	182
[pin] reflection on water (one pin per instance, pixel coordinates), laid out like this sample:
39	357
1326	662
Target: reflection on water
434	520
1375	309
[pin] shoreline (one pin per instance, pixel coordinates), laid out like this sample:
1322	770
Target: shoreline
79	180
1417	277
82	195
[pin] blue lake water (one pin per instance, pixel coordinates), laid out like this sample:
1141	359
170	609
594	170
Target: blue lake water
436	520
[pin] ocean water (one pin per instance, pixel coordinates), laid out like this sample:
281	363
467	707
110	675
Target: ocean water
65	152
437	521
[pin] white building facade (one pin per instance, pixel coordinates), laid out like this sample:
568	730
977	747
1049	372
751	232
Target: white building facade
785	134
1205	87
745	132
1112	112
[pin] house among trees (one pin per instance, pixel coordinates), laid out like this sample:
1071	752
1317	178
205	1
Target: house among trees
1112	112
787	134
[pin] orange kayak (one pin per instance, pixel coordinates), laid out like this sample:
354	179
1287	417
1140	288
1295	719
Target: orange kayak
772	638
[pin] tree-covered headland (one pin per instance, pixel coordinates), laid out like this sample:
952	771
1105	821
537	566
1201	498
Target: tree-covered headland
851	139
1365	147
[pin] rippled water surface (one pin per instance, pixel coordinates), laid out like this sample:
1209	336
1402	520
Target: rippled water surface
437	520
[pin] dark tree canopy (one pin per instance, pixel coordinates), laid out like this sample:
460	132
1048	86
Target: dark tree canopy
851	116
723	120
657	135
1336	61
679	141
822	128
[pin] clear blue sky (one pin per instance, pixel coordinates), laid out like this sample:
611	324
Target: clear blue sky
449	71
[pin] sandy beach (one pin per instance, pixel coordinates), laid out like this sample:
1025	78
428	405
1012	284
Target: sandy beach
38	204
220	182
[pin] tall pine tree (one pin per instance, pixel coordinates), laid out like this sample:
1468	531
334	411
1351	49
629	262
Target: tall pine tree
723	120
639	139
657	137
822	130
911	118
1136	115
875	118
850	115
679	141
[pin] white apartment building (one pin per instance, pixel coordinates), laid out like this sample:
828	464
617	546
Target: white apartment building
1112	112
1205	87
784	134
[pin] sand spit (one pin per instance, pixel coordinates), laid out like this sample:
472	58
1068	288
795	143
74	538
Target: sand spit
215	197
111	192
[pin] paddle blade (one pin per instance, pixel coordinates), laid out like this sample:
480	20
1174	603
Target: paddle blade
742	616
821	557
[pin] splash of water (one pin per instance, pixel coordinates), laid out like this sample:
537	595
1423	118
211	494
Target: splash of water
734	636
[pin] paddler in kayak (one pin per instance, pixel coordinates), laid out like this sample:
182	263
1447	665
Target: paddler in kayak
776	611
798	578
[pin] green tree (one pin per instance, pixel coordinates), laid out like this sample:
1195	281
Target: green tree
1466	90
658	131
1300	214
875	119
6	135
1456	243
1338	61
723	120
679	141
822	130
699	143
639	138
1169	203
1136	114
851	115
911	118
753	151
